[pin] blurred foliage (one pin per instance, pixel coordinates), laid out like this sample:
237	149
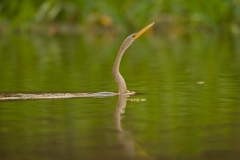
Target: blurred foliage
210	15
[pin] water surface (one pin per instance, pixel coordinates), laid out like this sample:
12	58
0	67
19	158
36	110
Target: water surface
187	106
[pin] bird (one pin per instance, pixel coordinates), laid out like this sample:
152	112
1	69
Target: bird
121	84
122	87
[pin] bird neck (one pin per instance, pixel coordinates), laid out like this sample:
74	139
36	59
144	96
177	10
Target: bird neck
118	60
122	87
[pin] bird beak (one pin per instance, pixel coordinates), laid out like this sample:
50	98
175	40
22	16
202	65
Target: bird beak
142	31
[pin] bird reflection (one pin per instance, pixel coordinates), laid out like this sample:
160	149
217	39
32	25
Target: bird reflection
131	148
124	137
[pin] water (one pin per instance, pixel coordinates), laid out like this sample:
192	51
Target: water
187	106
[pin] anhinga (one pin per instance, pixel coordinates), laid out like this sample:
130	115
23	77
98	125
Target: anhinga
122	87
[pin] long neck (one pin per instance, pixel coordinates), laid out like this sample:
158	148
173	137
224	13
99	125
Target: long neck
122	87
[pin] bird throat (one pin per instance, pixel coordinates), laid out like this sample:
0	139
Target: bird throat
122	87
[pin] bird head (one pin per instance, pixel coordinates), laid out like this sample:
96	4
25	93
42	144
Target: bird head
129	40
136	35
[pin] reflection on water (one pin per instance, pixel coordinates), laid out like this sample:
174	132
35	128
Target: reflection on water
191	88
125	137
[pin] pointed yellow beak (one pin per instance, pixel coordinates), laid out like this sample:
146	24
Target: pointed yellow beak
142	31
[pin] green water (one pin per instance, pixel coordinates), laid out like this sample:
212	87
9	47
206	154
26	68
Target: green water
187	106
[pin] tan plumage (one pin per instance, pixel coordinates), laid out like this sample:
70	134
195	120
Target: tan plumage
122	87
